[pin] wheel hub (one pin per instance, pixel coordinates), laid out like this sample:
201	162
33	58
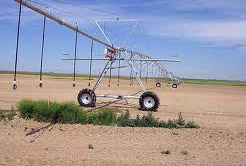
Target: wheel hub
86	98
149	102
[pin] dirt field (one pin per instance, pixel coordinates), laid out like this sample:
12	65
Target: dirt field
219	110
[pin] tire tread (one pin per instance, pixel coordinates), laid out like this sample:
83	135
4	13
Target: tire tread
147	94
91	93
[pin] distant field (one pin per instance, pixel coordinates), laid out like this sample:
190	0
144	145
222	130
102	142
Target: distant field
45	74
185	80
85	76
215	82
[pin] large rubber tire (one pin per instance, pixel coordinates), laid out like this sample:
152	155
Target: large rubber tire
149	101
87	98
174	85
158	84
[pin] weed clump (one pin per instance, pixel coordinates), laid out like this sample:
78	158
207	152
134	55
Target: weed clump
44	111
150	121
106	116
90	146
54	112
165	152
26	108
184	152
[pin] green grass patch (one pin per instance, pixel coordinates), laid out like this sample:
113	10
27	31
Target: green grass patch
215	82
54	112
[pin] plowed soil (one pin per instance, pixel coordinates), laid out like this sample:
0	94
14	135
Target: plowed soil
219	110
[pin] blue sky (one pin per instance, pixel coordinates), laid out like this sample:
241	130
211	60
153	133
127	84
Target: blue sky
209	36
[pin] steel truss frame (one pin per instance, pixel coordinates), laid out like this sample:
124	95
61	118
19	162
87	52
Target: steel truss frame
146	60
134	59
127	58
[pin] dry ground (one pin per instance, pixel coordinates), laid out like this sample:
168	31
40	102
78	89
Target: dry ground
220	111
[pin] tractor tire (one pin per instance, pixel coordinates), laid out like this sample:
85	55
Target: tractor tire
158	84
149	101
87	98
174	85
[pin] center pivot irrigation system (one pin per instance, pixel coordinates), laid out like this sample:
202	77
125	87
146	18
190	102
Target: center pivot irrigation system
137	62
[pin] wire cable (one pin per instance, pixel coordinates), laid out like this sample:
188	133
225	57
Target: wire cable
119	71
147	73
91	63
141	67
110	74
86	7
131	72
62	10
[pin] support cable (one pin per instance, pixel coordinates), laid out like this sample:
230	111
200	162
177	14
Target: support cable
140	72
89	84
110	74
17	47
153	78
147	73
42	55
84	6
75	57
119	70
105	70
131	73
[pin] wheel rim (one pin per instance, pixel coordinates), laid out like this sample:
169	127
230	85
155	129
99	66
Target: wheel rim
86	99
149	102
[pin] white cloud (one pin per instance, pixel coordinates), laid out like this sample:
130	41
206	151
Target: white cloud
223	32
190	4
214	31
